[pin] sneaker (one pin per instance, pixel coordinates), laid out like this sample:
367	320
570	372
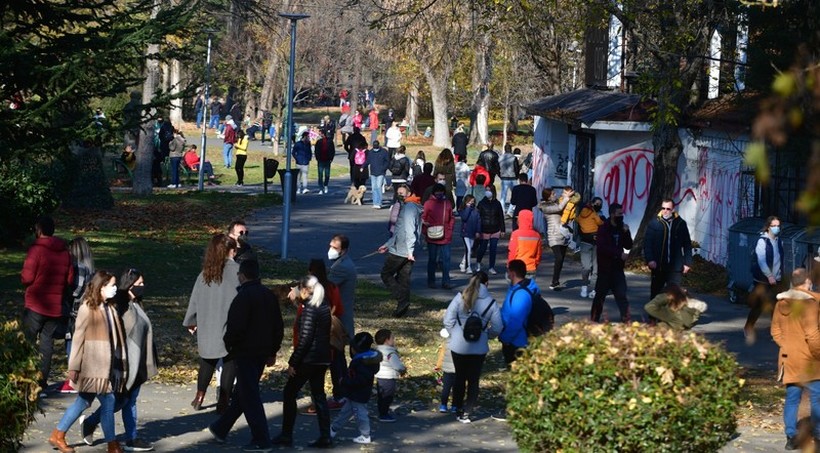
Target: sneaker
362	439
584	291
319	192
387	418
492	271
137	445
332	433
325	189
555	286
67	388
219	439
443	408
592	294
791	443
376	207
478	267
87	431
257	447
334	405
172	186
306	190
500	415
462	268
464	418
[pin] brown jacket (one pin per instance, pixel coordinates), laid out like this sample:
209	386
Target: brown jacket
795	330
91	349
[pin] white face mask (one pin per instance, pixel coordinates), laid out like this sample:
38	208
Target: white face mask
332	253
109	291
488	194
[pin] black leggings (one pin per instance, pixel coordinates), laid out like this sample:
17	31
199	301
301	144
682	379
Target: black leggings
468	370
206	372
240	168
560	251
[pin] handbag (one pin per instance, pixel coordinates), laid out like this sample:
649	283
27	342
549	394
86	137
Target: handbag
437	231
338	334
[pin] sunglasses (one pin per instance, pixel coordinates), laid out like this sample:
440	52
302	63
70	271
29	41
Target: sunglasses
666	209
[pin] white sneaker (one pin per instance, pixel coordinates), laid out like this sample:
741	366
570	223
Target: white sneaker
376	207
584	291
462	267
88	437
332	433
172	186
493	271
592	294
478	267
305	190
362	439
325	189
320	191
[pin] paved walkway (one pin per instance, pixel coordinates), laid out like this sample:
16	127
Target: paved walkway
167	419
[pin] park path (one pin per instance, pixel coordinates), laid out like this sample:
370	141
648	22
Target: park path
167	419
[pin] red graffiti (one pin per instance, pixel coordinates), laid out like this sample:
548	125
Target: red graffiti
717	203
625	177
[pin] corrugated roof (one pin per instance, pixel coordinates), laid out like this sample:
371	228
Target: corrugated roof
584	105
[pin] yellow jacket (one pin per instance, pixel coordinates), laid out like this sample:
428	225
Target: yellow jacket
570	209
241	146
589	220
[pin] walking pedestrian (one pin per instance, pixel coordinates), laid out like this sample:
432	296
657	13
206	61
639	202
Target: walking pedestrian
325	152
378	160
767	266
470	231
552	207
667	248
228	140
613	237
303	154
357	386
437	226
525	244
241	148
400	250
589	220
492	228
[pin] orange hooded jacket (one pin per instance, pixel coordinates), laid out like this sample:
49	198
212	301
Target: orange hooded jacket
525	242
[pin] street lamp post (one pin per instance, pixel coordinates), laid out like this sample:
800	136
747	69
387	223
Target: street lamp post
289	140
205	117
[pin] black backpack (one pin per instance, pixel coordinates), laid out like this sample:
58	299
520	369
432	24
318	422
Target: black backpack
541	318
474	325
396	166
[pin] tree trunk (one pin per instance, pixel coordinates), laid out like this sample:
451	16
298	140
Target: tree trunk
482	75
513	118
142	184
668	149
353	96
267	95
438	95
506	115
175	77
412	109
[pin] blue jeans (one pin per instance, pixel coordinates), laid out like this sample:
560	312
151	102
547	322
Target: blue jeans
199	114
434	251
226	154
83	401
482	249
175	161
350	409
506	186
376	183
127	403
793	394
324	173
214	121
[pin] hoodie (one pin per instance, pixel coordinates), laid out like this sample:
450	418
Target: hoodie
47	272
795	330
514	312
525	242
357	383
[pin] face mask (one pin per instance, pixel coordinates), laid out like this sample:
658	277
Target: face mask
332	253
441	182
440	196
138	291
597	207
109	291
488	194
775	230
619	220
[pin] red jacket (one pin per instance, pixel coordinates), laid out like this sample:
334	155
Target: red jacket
438	212
230	135
47	271
479	170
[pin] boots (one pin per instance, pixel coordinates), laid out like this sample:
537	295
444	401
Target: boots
114	447
57	440
198	399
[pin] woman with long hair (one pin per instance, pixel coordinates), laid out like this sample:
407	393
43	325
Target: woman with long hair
241	151
308	362
142	359
83	262
470	230
98	366
674	308
207	314
468	355
446	165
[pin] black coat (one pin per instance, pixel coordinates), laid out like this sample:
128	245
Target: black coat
490	162
492	216
460	140
314	336
354	141
255	327
357	383
611	242
668	244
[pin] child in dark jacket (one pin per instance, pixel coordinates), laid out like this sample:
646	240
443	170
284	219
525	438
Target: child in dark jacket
357	385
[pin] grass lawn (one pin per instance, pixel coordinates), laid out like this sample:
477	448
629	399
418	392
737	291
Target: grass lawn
164	237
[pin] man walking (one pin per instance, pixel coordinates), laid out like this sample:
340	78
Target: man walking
523	197
667	248
509	169
377	162
325	152
400	248
238	231
253	336
613	237
794	329
302	154
47	271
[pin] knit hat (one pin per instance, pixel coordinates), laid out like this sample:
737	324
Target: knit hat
362	341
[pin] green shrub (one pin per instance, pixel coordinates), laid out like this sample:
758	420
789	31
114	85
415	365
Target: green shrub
18	385
625	388
27	189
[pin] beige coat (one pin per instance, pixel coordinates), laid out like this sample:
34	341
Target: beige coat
795	330
91	349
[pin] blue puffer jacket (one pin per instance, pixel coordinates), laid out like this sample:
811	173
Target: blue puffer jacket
302	153
378	159
357	383
470	222
514	313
